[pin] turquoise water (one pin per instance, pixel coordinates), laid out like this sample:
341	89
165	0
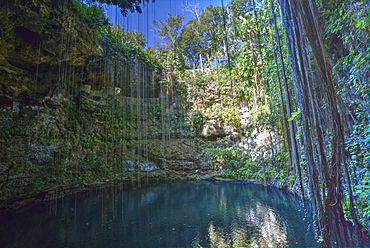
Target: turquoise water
168	214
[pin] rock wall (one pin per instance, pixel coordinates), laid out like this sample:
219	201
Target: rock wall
66	118
39	39
72	116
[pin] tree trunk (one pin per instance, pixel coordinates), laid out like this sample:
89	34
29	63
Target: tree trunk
294	157
323	134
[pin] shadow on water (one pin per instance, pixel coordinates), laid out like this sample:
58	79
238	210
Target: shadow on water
170	214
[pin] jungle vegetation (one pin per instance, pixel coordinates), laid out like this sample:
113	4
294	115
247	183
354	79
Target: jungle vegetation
295	71
301	68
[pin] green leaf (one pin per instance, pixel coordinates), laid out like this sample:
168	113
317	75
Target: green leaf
294	114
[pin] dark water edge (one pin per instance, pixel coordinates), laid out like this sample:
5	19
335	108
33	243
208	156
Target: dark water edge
167	214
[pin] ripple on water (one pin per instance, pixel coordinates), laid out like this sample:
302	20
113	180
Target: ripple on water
170	214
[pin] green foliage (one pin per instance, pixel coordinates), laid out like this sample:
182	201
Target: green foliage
347	33
294	114
37	183
124	5
196	120
93	16
347	28
221	157
234	162
169	29
214	96
204	40
227	116
362	192
216	89
358	145
126	46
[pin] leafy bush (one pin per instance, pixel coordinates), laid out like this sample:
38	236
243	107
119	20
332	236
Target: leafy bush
362	193
358	145
92	15
127	45
220	157
196	120
228	116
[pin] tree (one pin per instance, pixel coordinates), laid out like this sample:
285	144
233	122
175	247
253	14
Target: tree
322	123
169	30
193	8
124	5
205	39
192	44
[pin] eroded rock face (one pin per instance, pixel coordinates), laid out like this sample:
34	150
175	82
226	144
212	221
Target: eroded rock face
39	39
175	154
43	46
59	118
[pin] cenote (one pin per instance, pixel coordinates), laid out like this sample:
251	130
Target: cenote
167	214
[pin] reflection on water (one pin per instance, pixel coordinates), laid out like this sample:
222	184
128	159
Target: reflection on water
174	214
261	228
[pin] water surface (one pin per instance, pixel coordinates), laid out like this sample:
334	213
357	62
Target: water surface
169	214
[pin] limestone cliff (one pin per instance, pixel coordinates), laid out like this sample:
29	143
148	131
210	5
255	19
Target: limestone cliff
74	111
70	114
